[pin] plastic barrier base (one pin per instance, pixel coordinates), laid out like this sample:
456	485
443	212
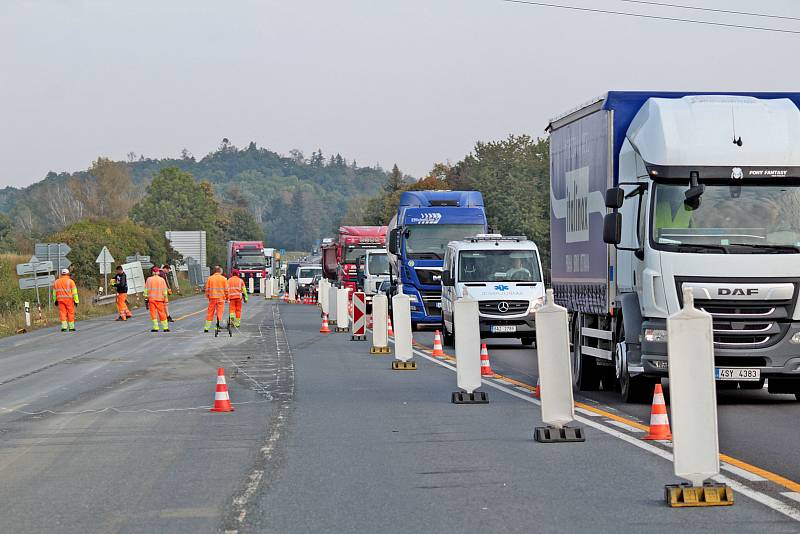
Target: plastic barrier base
549	434
397	365
380	350
340	330
477	397
709	494
358	338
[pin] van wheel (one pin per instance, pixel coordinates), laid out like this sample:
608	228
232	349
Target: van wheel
585	375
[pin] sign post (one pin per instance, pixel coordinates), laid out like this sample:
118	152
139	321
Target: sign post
105	260
27	314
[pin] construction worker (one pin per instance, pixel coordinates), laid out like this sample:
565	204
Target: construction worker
237	292
121	285
155	295
164	273
217	294
65	295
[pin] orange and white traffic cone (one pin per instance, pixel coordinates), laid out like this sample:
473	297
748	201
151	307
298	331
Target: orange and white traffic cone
537	391
486	368
324	328
659	420
389	331
222	401
437	345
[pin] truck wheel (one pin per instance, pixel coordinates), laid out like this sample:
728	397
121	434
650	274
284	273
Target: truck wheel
528	341
448	339
636	389
585	375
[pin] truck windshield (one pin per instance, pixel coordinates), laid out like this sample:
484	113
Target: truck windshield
741	218
428	241
498	265
305	272
353	253
251	260
378	264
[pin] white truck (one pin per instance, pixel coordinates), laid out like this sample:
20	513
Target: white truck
372	269
504	273
651	193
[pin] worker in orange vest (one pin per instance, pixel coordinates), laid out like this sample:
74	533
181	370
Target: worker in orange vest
155	298
237	292
65	295
217	294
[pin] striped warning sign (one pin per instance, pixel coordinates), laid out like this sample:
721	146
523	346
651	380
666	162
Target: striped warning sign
359	316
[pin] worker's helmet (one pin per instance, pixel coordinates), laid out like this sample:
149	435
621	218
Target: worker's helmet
64	271
234	272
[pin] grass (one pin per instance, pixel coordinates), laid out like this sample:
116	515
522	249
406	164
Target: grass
12	299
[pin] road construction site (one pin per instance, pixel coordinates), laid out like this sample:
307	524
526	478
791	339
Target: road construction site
109	429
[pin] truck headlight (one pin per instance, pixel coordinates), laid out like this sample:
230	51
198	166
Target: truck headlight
795	339
655	335
413	298
536	304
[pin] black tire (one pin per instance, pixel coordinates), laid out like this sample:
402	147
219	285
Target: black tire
528	341
448	339
636	389
585	376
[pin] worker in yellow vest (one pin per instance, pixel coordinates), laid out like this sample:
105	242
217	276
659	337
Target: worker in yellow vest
155	295
237	292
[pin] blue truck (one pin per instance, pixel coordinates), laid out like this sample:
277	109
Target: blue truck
418	235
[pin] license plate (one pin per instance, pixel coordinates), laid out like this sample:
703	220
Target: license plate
502	329
738	374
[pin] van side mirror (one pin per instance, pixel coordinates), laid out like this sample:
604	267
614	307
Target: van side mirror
393	237
447	280
615	196
612	228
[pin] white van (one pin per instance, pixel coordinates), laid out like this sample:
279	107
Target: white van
305	276
504	273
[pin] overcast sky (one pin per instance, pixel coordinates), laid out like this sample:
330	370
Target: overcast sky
406	81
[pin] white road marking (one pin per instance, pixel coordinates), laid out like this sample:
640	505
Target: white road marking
624	426
586	412
742	473
792	495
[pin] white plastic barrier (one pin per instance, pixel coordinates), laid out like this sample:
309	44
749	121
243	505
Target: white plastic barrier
322	298
401	325
261	285
468	343
250	285
275	288
342	312
380	335
332	307
693	393
292	290
555	368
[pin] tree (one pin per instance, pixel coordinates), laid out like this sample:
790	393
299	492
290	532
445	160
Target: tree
394	182
240	225
6	244
105	191
176	201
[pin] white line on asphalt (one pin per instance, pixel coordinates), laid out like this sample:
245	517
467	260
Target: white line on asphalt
770	502
586	412
792	495
743	473
624	426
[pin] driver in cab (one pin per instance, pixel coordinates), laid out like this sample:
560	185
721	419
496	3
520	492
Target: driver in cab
518	271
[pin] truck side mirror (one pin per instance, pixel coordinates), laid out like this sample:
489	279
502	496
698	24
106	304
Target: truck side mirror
615	196
447	280
393	236
612	228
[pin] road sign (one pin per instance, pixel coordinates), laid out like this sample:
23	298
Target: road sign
35	283
55	252
135	275
39	267
104	258
144	260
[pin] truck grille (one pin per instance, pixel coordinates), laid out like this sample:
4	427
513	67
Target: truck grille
429	300
742	325
496	307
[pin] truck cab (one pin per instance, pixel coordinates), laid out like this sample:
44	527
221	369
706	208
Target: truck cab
504	274
373	269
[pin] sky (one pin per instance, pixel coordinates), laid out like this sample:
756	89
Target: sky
412	82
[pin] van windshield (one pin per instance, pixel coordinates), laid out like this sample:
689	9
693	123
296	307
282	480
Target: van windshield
309	272
498	265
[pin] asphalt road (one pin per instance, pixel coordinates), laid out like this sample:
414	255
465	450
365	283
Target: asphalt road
754	426
108	430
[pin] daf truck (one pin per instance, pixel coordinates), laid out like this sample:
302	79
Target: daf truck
426	221
654	192
339	256
248	257
504	274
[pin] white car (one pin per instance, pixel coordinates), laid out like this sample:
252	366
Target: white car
504	274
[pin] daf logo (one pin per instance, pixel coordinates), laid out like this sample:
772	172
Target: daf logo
737	291
502	307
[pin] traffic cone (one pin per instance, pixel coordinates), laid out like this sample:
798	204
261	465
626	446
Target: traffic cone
324	329
659	421
437	345
537	391
222	401
486	368
389	331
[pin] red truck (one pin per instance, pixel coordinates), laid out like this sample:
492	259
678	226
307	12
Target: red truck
249	258
340	255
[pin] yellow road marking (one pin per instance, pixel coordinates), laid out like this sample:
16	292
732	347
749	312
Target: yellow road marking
189	315
773	477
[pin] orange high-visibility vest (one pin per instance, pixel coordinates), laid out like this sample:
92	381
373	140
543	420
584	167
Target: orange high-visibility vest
155	288
217	287
65	289
236	288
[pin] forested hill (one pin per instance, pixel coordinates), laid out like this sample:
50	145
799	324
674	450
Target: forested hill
296	199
